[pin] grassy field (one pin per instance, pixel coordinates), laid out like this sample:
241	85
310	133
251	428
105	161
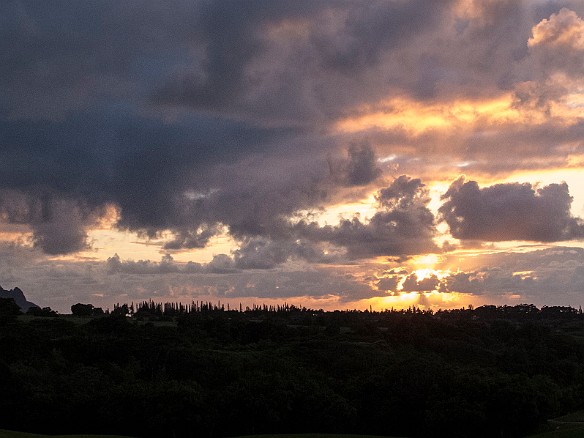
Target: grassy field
312	435
563	431
566	426
567	432
12	434
573	417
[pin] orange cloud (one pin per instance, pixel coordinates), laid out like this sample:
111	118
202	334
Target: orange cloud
562	30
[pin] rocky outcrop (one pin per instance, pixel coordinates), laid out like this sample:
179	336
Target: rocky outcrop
18	296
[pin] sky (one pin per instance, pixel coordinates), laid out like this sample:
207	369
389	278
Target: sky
327	154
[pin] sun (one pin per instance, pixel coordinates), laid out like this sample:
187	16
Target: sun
426	266
427	260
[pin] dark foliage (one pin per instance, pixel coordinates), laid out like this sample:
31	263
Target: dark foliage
156	370
45	311
9	310
82	309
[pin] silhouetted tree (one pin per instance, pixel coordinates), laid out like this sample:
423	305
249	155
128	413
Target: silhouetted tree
82	309
45	311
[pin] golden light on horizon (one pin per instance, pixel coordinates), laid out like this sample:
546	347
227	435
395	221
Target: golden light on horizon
427	300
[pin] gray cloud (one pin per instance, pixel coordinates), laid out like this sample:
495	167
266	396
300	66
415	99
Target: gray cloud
220	264
414	284
203	279
402	226
548	276
299	63
403	193
199	116
59	225
359	169
510	212
388	284
115	265
264	253
193	239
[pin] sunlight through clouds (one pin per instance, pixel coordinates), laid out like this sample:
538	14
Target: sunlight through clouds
332	154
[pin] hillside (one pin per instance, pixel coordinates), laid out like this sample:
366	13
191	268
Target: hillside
211	372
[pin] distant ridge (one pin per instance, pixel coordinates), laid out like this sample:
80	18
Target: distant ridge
18	296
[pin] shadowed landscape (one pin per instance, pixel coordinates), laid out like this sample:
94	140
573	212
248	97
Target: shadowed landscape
154	369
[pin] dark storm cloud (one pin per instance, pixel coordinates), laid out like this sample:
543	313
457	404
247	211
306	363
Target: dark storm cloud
156	173
191	116
365	33
313	70
266	60
63	56
58	224
229	37
510	211
103	61
193	239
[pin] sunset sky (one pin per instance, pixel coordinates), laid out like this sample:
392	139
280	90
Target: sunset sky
330	154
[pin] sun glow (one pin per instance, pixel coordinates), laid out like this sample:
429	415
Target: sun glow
426	300
426	266
423	274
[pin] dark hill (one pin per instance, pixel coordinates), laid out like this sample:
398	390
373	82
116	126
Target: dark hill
18	296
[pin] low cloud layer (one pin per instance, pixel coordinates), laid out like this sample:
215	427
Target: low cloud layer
544	276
